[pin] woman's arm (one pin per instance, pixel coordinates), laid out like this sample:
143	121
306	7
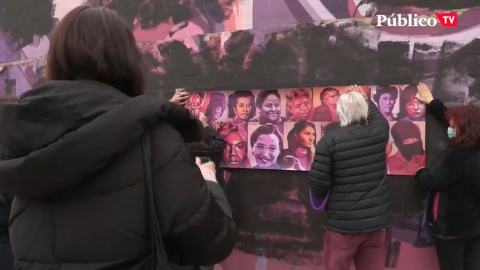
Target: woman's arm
440	176
434	106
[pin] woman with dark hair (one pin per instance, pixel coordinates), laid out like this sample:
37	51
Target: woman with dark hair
267	143
385	98
241	109
215	108
455	183
301	139
269	106
411	109
71	152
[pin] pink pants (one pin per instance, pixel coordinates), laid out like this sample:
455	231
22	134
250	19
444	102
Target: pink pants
368	251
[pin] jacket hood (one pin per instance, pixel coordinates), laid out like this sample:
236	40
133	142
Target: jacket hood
61	132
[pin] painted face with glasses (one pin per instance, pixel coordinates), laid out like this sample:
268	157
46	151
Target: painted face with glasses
415	109
266	150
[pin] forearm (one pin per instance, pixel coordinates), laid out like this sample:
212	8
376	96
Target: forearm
438	110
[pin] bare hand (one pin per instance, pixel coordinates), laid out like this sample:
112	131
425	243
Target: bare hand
180	98
358	89
203	119
424	94
207	169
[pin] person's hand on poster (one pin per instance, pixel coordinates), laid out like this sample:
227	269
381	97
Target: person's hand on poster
180	98
207	169
424	94
358	89
203	119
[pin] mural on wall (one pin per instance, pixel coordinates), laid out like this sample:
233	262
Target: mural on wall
278	129
209	46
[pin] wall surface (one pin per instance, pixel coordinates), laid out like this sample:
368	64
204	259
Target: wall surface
254	44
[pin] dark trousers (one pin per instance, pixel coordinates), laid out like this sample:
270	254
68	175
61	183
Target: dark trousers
458	254
367	251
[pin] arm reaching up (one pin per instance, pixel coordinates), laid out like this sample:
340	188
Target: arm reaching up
434	106
376	121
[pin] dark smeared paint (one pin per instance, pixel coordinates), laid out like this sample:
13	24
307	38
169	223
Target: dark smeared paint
26	18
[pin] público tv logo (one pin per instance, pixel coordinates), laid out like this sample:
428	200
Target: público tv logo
413	20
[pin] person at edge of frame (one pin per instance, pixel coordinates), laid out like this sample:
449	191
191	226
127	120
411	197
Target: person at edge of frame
454	183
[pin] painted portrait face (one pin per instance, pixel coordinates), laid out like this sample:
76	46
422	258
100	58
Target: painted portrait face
216	114
330	98
415	109
300	108
243	107
266	150
235	150
270	109
194	100
386	103
307	137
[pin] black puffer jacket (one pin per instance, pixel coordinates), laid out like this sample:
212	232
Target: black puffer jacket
351	161
5	204
455	180
71	154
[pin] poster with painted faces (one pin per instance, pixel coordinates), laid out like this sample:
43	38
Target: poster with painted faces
278	129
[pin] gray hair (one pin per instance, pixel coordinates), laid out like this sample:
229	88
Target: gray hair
352	108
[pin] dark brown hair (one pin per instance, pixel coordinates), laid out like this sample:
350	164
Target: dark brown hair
467	121
94	43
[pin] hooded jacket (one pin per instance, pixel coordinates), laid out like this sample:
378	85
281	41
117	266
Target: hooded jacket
71	155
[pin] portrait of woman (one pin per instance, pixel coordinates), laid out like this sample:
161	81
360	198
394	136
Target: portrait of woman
235	151
299	105
267	143
301	141
216	107
411	109
241	109
386	97
269	107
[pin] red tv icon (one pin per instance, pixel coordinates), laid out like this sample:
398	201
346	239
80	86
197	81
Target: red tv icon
447	19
